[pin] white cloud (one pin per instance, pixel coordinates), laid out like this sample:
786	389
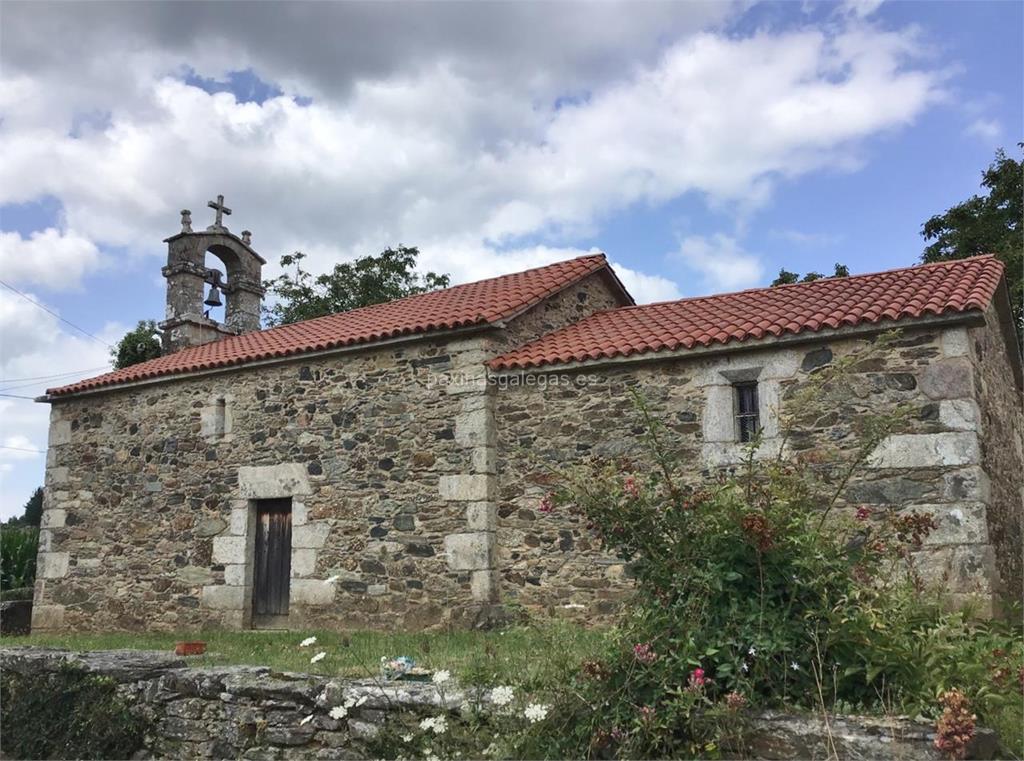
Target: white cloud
52	258
986	129
35	353
647	288
802	238
860	8
434	155
721	262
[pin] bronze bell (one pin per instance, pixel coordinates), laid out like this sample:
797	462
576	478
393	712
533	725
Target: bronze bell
213	299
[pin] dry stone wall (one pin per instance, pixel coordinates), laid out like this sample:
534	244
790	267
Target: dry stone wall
255	713
550	562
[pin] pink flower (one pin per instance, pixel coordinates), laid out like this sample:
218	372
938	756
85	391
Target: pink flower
644	653
863	513
631	488
697	680
547	504
646	713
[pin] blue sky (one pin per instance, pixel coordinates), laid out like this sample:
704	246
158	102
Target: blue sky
702	146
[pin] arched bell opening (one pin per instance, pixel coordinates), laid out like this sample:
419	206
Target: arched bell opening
216	288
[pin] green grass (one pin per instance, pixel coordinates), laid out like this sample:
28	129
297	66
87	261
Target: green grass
525	655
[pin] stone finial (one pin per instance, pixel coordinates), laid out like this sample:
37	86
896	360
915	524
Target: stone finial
246	237
186	221
221	209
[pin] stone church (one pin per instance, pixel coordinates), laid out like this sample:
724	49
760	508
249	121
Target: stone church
384	467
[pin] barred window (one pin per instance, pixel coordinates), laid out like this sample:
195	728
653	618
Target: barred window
748	421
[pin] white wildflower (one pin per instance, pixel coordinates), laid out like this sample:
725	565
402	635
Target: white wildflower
745	668
307	642
752	651
339	712
306	720
407	738
438	725
442	676
795	666
502	696
318	657
536	712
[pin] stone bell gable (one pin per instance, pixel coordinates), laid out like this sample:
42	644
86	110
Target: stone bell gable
383	467
187	321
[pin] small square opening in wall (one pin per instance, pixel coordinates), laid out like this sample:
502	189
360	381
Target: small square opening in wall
220	417
748	418
216	417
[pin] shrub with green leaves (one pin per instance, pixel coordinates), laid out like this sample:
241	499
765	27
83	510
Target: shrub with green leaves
18	547
66	714
756	590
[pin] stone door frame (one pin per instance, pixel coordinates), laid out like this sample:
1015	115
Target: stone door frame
235	549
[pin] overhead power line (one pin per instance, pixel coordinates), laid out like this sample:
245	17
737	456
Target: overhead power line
18	396
55	375
51	379
30	300
23	449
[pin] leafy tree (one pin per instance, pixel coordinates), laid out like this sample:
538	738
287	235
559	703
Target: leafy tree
33	511
368	280
986	224
34	508
138	345
787	278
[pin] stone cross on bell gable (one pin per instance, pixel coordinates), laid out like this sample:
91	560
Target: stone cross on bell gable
221	210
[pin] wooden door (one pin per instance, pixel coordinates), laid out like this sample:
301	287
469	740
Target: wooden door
273	557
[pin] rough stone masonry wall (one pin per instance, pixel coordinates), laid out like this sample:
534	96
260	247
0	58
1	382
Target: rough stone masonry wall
148	519
474	550
549	562
388	455
253	713
1002	449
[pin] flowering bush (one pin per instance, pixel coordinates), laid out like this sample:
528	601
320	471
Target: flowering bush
755	588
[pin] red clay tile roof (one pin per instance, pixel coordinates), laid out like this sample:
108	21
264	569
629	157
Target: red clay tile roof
479	303
931	289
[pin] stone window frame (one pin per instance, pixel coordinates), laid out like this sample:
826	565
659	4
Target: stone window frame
740	378
722	440
217	417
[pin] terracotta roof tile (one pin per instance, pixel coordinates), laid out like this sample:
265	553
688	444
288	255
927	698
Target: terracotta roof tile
931	289
479	303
